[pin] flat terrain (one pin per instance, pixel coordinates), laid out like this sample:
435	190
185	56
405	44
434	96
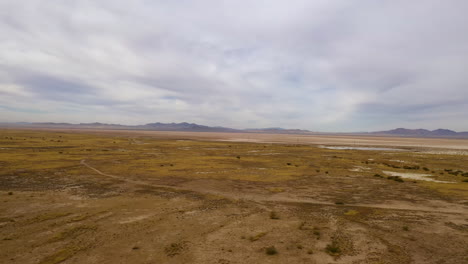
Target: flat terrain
178	197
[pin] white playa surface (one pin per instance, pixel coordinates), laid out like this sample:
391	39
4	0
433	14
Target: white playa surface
414	176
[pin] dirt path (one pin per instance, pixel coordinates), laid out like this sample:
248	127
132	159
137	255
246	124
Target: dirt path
262	199
136	182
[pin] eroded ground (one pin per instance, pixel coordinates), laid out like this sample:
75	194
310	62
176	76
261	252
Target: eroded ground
118	198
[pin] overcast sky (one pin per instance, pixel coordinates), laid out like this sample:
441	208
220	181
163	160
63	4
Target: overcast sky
318	65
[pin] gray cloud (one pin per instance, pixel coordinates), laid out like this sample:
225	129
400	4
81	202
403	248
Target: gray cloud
319	65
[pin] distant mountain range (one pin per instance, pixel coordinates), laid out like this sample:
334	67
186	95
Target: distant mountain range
184	126
192	127
422	133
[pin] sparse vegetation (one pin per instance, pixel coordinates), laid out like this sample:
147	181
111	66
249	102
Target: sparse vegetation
351	212
271	250
274	215
174	249
199	195
257	236
395	178
317	233
333	249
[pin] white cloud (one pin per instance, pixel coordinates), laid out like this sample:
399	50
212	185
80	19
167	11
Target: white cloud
320	65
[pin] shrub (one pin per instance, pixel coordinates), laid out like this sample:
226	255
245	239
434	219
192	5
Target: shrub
333	249
271	250
274	215
317	234
395	178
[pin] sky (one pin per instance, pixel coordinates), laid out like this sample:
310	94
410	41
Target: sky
322	65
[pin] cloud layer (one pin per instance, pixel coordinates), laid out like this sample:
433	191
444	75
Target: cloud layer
320	65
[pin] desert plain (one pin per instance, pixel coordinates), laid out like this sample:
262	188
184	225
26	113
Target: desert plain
90	196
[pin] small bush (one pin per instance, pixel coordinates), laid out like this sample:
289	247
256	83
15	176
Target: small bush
395	178
271	250
426	169
274	215
317	234
289	163
10	193
405	228
333	249
238	157
339	203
